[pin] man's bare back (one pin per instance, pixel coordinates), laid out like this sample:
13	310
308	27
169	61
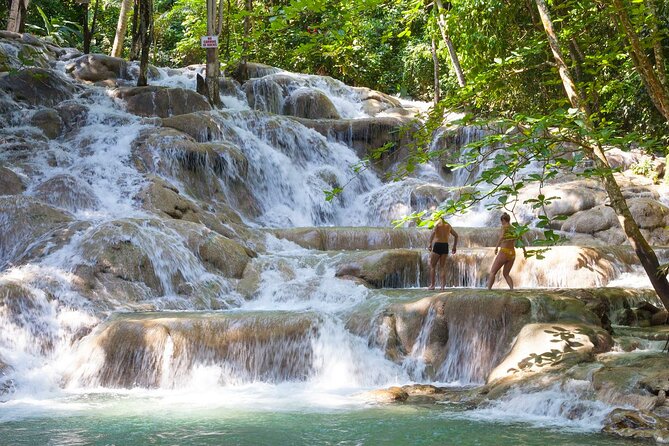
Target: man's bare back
442	232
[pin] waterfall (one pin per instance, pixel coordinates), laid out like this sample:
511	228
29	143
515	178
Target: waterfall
195	258
478	337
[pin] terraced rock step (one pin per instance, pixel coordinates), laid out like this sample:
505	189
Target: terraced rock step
467	335
162	349
561	266
370	238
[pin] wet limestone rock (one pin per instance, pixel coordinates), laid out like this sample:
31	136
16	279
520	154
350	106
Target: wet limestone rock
638	424
226	256
367	134
72	114
429	196
19	50
200	125
115	256
10	183
599	218
250	70
65	191
544	344
390	395
133	348
649	213
638	380
26	221
98	67
574	196
37	86
161	101
49	121
384	269
310	104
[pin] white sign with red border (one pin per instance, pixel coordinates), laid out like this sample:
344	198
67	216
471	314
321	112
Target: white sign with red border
209	41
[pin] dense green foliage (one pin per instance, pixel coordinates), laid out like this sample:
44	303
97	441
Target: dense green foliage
385	45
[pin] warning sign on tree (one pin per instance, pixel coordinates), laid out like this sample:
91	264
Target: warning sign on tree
209	41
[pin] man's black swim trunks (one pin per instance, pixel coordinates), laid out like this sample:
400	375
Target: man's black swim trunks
440	248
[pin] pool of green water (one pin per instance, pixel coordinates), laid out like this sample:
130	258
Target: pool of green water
380	425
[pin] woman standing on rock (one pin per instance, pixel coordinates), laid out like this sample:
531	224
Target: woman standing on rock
438	247
505	251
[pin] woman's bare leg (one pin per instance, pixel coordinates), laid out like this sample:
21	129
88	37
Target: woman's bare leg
496	265
507	269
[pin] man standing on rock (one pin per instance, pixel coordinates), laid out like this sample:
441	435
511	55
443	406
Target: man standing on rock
438	247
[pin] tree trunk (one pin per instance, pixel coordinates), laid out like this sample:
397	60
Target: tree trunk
145	37
435	61
135	45
248	6
93	28
18	10
657	42
657	91
455	61
121	28
641	247
213	69
86	30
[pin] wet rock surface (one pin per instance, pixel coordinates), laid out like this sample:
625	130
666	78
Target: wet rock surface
162	102
37	86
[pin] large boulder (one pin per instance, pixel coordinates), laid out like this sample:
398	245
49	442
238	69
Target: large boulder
366	135
130	350
597	219
72	114
162	102
200	125
99	67
649	213
545	344
311	104
398	268
641	424
37	86
19	50
10	183
225	256
573	196
26	222
65	191
49	121
212	172
164	199
242	72
375	102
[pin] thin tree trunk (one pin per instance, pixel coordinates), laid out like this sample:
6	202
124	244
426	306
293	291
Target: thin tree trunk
652	80
657	43
641	247
121	28
248	6
135	46
455	61
18	10
145	38
87	32
435	61
94	23
213	68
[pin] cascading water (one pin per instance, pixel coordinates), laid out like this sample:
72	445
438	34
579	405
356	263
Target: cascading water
130	290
